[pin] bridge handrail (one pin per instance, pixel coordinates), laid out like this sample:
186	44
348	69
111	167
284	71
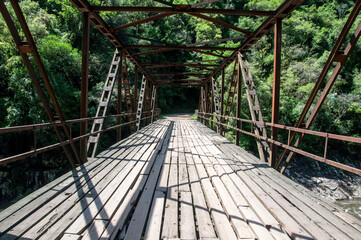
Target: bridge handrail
34	127
287	146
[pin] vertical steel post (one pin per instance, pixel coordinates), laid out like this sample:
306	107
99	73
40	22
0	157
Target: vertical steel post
135	89
276	88
239	97
84	86
212	103
119	99
222	97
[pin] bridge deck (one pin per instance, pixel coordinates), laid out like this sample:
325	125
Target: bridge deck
175	179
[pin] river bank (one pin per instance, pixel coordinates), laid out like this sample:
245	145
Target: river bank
334	185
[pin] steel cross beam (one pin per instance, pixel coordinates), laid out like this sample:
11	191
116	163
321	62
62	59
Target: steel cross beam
282	12
101	25
179	47
182	9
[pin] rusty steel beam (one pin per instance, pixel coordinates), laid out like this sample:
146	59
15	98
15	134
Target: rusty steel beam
119	99
198	80
215	41
101	25
165	3
283	11
165	63
293	149
30	47
192	64
143	38
239	99
222	99
219	22
154	51
145	20
211	54
183	9
178	74
84	85
180	47
333	57
204	3
276	88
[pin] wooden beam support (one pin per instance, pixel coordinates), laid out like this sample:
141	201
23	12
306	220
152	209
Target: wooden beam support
276	88
84	86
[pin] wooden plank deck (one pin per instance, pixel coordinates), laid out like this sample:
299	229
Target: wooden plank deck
175	179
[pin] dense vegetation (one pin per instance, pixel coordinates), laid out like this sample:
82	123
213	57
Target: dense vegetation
308	36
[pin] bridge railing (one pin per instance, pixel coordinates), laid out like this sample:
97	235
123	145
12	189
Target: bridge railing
327	136
34	127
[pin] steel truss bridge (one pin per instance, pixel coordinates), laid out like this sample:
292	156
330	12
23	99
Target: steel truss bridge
178	178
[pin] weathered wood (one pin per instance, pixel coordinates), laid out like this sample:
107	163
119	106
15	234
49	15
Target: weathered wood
176	179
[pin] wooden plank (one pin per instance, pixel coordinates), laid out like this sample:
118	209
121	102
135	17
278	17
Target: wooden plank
187	225
95	230
170	221
137	223
71	237
124	210
204	222
154	225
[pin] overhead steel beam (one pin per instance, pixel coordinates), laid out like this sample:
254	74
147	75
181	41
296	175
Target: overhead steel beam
143	38
180	47
216	41
183	9
211	54
182	63
204	3
145	20
219	22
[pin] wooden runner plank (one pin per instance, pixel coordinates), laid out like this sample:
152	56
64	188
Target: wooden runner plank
187	226
137	223
204	222
153	229
124	210
170	221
